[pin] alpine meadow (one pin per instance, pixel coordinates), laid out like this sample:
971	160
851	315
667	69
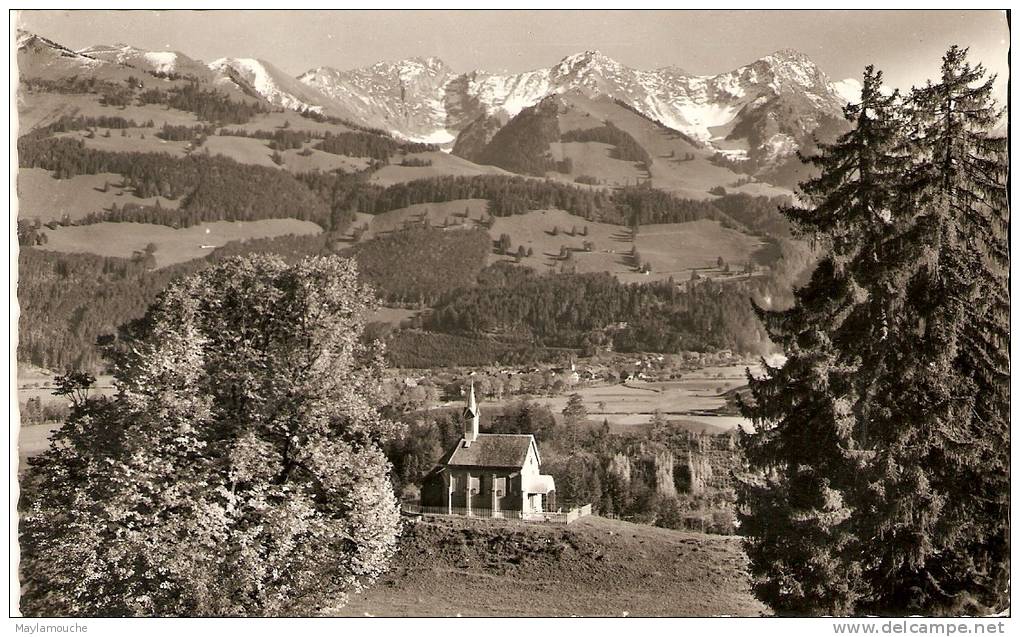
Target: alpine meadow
330	326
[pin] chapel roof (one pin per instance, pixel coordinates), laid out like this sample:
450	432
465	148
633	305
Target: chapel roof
490	450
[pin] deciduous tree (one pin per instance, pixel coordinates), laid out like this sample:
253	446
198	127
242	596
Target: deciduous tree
238	468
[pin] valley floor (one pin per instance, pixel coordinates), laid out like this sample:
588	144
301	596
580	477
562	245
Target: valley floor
593	567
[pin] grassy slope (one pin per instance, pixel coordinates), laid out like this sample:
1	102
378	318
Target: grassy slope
672	249
689	401
592	159
244	150
43	197
131	141
39	109
322	161
250	150
436	213
691	179
676	249
172	246
392	315
442	164
32	441
293	121
594	567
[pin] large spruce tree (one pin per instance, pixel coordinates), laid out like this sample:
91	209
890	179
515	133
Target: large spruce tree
797	515
892	405
952	336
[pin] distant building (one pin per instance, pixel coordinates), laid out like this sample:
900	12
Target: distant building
486	473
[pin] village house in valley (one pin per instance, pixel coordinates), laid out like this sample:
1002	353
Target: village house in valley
489	474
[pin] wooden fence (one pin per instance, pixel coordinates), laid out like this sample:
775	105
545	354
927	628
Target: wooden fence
558	517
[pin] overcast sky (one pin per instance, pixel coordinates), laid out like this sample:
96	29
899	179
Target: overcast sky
906	45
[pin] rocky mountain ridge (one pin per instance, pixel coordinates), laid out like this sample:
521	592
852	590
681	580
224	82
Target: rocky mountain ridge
756	116
421	98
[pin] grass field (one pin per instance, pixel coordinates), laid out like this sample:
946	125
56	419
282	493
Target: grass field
592	159
42	197
33	440
141	140
38	382
293	121
172	245
593	567
39	109
442	164
35	382
687	400
677	249
251	150
294	161
436	213
392	315
245	150
672	249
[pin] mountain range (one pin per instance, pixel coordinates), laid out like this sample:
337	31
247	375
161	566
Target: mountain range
760	113
163	161
771	105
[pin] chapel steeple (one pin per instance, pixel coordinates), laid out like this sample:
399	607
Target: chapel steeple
471	417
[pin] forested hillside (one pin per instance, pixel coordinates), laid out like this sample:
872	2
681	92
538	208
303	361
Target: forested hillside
522	146
68	301
472	314
419	265
587	311
625	147
210	188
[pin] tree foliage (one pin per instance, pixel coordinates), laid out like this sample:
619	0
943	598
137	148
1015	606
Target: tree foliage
522	146
208	105
879	476
238	469
421	264
581	310
625	147
431	350
68	301
210	188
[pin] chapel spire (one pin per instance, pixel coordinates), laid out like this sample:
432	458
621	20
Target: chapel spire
471	416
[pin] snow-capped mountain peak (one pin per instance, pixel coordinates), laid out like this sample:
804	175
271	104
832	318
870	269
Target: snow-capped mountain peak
164	61
266	80
421	97
848	89
160	62
790	70
789	56
781	97
28	40
24	38
590	58
105	48
403	96
426	63
31	43
251	66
